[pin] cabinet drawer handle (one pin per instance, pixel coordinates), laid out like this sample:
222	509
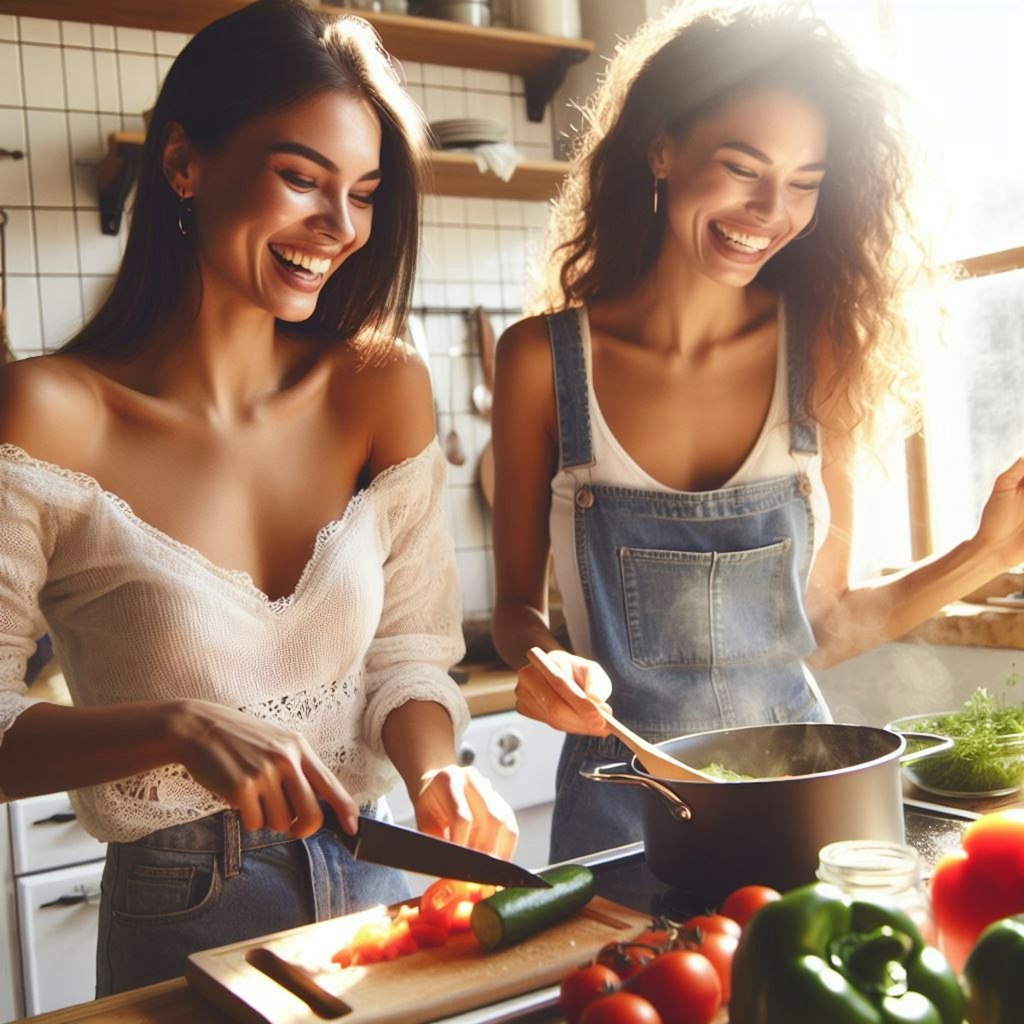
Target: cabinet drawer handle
90	896
60	818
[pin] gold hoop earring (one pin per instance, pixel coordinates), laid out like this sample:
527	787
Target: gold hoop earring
184	213
807	230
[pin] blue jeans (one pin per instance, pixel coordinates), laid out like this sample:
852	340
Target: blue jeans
209	883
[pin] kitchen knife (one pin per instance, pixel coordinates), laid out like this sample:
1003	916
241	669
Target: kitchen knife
394	846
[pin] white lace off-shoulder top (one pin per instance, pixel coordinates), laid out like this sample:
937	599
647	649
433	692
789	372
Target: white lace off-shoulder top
374	621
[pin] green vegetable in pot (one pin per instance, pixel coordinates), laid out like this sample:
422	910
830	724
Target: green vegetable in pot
988	749
994	974
818	955
719	771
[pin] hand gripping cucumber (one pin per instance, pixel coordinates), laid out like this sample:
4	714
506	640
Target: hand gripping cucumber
514	914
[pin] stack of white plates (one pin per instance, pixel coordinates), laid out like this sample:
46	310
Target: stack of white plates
467	131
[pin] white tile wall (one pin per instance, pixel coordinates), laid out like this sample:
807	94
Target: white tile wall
65	86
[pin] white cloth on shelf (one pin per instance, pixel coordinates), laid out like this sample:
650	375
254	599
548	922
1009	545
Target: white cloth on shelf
374	622
501	158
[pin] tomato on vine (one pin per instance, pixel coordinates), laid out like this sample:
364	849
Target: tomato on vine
584	986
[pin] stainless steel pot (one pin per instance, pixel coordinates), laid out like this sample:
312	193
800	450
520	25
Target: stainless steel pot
842	782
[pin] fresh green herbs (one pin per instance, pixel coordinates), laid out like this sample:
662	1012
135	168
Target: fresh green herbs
988	748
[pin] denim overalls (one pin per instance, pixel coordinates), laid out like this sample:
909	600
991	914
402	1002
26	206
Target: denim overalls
695	603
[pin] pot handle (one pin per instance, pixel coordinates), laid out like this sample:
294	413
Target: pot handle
940	745
679	810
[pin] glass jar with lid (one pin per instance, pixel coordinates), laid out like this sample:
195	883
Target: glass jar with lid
874	869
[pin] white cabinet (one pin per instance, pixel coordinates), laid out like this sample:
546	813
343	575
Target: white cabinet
58	913
10	956
56	868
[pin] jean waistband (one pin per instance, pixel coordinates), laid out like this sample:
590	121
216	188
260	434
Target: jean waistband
222	833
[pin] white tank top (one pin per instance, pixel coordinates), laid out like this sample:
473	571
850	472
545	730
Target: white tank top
770	457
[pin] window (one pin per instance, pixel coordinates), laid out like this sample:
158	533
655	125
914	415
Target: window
958	62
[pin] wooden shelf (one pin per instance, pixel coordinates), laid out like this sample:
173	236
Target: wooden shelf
452	174
456	174
541	60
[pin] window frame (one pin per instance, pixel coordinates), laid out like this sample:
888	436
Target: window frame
922	542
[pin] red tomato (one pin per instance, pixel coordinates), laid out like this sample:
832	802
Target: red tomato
718	947
401	939
622	1008
440	900
661	936
427	935
461	914
627	958
682	986
980	883
584	986
742	904
708	923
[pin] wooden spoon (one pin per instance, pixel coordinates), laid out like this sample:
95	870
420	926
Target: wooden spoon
653	758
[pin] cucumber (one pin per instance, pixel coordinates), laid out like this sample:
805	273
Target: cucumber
516	913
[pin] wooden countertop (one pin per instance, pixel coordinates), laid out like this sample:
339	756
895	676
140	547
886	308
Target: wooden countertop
490	689
173	1002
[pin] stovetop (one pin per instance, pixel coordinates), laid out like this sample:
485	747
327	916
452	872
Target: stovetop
622	875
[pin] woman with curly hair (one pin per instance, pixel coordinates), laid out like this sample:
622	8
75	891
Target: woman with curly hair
728	262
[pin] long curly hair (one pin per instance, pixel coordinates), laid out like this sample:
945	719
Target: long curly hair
264	57
845	283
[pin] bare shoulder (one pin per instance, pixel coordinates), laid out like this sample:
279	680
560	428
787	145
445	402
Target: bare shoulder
391	398
48	405
523	361
525	341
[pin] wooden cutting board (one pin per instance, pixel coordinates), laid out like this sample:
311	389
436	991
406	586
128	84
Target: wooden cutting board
413	989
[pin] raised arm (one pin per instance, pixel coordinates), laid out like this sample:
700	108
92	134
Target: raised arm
849	620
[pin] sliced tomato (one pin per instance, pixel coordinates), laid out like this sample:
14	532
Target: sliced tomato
478	891
400	939
439	900
343	956
461	914
427	935
370	944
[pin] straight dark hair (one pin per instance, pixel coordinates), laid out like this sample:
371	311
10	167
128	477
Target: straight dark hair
263	57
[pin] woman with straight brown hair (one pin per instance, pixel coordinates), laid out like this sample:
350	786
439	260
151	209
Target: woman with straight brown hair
222	500
724	288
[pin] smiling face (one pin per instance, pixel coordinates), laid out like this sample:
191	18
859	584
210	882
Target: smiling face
742	183
285	202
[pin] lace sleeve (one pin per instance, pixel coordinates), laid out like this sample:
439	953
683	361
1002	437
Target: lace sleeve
22	575
420	633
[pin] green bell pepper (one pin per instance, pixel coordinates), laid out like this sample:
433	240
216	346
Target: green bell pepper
819	955
994	974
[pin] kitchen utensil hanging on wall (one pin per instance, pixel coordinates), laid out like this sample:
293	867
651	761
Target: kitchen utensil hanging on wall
485	469
454	451
483	392
6	355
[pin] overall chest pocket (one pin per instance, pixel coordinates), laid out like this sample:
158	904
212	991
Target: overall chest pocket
700	609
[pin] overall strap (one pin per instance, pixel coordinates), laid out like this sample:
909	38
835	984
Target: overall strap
803	433
572	393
